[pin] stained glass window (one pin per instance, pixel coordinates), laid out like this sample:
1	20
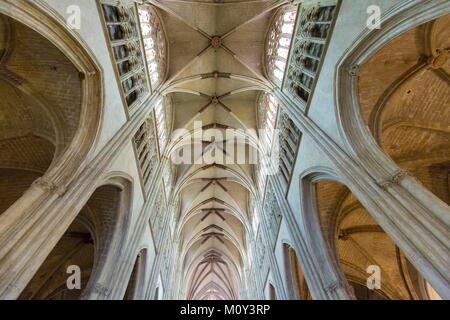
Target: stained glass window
161	124
268	109
279	42
154	44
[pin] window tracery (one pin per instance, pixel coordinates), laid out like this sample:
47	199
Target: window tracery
268	106
261	251
278	43
272	214
154	44
145	143
161	123
308	47
289	140
267	110
121	25
168	178
158	214
253	210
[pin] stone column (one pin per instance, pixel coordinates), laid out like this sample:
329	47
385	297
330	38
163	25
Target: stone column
323	274
417	222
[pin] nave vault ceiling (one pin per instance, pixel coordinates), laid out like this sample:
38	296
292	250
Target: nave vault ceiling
215	74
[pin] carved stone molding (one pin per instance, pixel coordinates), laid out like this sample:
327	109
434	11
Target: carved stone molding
439	60
50	186
395	179
353	70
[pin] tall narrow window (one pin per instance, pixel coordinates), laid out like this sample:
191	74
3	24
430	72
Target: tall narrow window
145	143
267	116
121	23
308	48
254	214
278	43
261	177
289	139
154	44
267	110
161	124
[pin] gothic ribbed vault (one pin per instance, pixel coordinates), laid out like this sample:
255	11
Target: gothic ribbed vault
215	74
